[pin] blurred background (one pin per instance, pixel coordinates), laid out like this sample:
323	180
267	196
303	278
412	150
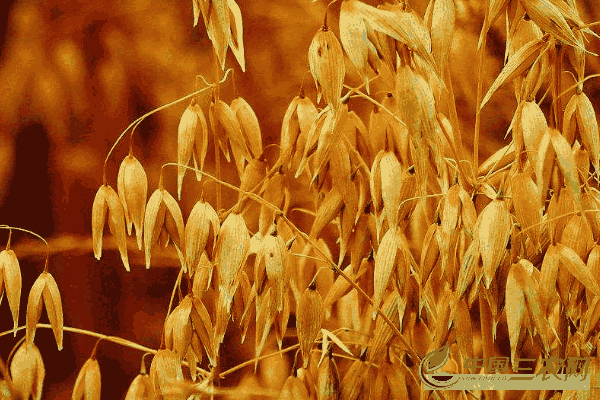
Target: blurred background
74	74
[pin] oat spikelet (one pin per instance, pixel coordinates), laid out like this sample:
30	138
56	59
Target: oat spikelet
107	203
140	388
232	248
204	329
551	19
356	43
132	186
533	125
201	232
236	39
165	373
274	255
326	61
588	128
516	310
27	371
218	28
178	327
163	216
265	316
492	233
391	183
293	389
87	385
186	136
11	282
573	263
527	210
45	290
385	262
249	125
309	320
443	19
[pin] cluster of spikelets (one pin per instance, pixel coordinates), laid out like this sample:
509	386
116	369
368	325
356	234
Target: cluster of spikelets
26	366
509	249
526	259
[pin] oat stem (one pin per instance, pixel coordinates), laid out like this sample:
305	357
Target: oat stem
114	339
480	59
177	283
10	228
140	119
14	349
252	361
299	232
452	145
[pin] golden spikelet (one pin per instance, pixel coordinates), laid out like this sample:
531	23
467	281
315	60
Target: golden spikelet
309	320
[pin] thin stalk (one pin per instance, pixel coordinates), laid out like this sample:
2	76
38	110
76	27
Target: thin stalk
140	119
248	363
480	59
114	339
177	283
10	228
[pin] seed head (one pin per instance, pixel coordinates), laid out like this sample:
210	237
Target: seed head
202	276
87	385
326	61
165	373
272	258
11	281
385	262
492	232
107	202
293	389
141	388
132	185
44	289
232	248
309	320
27	371
249	125
355	39
204	330
265	316
223	119
163	214
178	328
201	231
192	142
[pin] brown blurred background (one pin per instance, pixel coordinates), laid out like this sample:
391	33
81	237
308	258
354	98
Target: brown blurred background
74	74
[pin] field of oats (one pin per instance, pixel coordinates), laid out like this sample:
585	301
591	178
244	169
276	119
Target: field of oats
221	199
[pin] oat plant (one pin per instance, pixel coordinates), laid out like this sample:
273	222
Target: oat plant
406	243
